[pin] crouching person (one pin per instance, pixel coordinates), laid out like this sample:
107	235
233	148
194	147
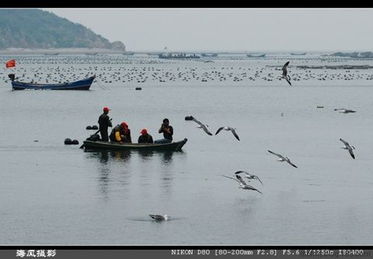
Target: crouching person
121	134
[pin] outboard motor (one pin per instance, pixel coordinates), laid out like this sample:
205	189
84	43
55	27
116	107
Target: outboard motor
12	76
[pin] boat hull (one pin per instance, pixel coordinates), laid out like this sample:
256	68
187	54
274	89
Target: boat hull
84	84
256	56
101	145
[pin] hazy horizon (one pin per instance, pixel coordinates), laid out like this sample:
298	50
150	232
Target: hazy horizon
229	29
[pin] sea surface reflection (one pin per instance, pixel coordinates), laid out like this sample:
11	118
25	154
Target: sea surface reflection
116	169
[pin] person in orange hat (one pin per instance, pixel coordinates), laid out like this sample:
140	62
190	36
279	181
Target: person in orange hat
145	137
104	123
121	133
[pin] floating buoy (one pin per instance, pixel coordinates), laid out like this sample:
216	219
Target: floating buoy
94	127
68	141
319	106
36	140
75	142
138	88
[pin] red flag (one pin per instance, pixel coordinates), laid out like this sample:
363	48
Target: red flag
10	63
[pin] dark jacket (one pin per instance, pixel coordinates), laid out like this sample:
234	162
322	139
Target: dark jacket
119	134
145	139
104	121
166	135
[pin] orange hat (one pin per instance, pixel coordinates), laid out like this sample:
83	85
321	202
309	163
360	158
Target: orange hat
124	125
144	131
106	109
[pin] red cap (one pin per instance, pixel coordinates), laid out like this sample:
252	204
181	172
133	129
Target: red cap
124	125
106	109
144	131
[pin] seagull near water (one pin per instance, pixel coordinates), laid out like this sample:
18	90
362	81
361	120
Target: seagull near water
200	125
285	72
343	110
348	147
228	129
282	158
243	184
249	176
159	217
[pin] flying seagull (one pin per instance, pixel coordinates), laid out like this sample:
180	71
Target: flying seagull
343	110
227	129
282	158
200	125
243	184
285	72
159	217
249	176
348	147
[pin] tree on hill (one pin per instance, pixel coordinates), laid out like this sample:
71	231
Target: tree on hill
34	28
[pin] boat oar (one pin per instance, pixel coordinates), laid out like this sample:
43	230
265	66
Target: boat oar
91	136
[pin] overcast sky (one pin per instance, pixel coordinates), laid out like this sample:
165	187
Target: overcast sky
229	29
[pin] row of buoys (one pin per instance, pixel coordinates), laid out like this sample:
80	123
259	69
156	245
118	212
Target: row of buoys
94	127
68	141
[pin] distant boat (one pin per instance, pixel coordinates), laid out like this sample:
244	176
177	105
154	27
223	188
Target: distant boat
92	54
210	55
128	53
256	56
83	84
51	54
177	56
298	54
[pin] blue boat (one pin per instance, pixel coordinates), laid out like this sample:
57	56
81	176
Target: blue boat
83	84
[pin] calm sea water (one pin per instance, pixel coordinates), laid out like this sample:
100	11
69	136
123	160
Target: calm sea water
56	194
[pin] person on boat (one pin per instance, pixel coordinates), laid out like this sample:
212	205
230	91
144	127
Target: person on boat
121	133
145	137
167	131
105	123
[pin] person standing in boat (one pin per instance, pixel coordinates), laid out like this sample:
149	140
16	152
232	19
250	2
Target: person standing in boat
121	133
105	122
167	131
145	137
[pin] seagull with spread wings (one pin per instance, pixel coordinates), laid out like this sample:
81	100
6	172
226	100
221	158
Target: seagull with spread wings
229	129
200	125
348	147
243	184
282	158
285	72
249	176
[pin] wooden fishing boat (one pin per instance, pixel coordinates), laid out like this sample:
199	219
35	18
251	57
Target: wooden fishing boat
83	84
256	56
102	145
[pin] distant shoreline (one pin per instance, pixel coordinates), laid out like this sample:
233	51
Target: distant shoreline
92	51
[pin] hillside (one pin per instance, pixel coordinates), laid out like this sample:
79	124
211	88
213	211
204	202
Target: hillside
34	28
